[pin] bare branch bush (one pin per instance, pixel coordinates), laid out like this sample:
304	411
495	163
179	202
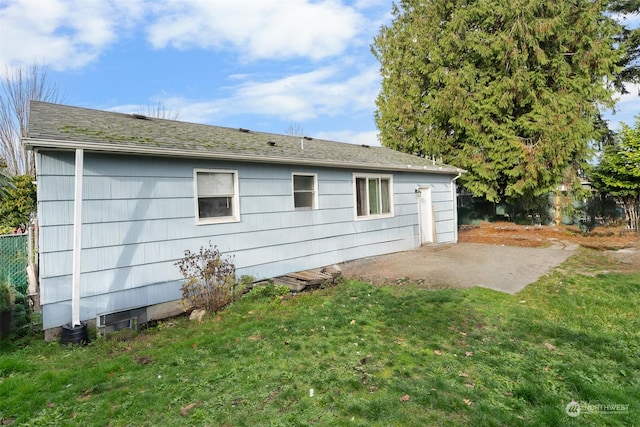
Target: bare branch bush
211	279
18	86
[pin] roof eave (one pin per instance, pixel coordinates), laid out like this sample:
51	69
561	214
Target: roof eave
35	143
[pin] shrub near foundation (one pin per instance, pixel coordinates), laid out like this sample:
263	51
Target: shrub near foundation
211	279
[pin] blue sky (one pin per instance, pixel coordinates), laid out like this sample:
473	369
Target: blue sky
264	65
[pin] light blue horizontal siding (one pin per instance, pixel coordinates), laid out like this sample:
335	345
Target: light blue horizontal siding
56	163
130	277
140	249
361	249
444	215
99	188
139	218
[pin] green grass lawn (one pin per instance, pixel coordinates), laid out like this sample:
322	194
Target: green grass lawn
355	354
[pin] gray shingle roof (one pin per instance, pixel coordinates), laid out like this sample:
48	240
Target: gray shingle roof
65	127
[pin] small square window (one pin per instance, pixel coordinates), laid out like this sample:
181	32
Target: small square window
304	191
216	196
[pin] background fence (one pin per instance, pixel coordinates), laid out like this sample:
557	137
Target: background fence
14	258
15	250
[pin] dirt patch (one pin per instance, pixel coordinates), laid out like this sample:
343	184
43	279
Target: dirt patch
504	233
505	257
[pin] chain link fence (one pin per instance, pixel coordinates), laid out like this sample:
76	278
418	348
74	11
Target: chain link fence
14	259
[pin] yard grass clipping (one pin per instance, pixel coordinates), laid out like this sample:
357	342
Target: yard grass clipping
564	351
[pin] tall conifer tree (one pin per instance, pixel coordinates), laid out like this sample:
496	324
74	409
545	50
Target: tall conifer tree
630	41
509	90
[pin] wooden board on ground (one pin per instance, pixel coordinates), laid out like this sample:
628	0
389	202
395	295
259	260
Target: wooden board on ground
300	280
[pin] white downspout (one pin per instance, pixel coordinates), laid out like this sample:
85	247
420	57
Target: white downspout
454	198
77	239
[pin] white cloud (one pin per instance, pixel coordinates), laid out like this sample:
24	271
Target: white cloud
367	138
258	29
61	34
68	34
208	112
298	97
321	92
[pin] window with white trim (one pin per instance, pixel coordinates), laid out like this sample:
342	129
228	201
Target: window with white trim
216	196
374	196
304	191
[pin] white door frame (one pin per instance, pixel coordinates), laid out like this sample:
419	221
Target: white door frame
426	223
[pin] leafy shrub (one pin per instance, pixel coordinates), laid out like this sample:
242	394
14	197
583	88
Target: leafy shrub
268	291
211	279
19	203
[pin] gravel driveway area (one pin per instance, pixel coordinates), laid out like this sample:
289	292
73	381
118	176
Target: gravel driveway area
463	265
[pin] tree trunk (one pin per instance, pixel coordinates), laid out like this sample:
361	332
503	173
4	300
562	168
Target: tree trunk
632	213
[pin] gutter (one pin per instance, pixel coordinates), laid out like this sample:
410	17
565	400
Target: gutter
77	238
167	152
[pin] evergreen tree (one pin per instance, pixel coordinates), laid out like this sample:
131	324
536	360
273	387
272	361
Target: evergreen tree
511	91
630	41
618	173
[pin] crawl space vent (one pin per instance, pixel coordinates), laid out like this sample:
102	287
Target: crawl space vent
117	321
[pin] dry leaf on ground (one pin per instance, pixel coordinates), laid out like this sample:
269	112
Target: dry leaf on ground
184	411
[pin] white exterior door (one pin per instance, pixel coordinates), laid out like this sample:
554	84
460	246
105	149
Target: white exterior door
425	212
